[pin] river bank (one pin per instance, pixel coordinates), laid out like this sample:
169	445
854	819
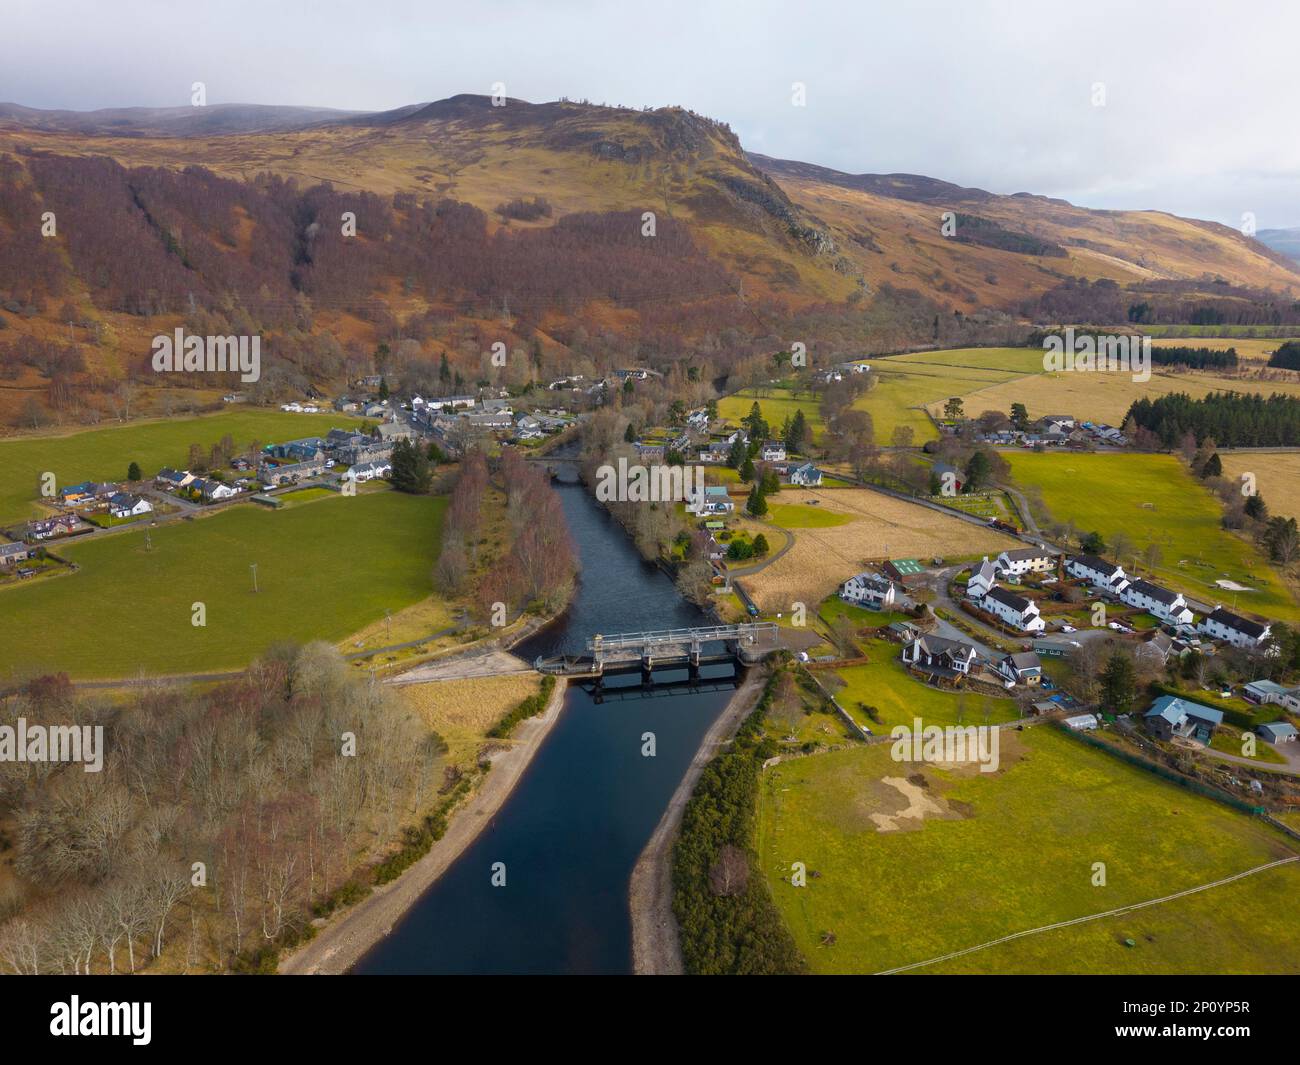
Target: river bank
342	942
656	949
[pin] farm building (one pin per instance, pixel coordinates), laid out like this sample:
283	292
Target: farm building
900	569
1278	732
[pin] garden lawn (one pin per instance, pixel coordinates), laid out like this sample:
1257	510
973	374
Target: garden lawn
1014	850
1153	498
323	571
105	454
900	696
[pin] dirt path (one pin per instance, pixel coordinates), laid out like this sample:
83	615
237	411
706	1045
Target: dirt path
656	950
344	940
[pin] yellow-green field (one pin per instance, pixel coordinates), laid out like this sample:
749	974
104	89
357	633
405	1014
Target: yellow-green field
1154	499
908	862
1277	477
105	454
777	404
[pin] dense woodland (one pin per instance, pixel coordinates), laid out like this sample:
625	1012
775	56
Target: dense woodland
1195	358
1230	418
280	783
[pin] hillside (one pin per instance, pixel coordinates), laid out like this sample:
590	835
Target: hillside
522	222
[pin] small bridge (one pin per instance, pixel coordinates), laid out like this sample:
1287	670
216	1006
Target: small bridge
628	652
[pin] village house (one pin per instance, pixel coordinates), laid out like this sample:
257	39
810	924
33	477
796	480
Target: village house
1013	610
292	473
1171	717
715	500
773	451
451	403
1026	560
713	455
128	505
983	576
1023	667
173	479
367	471
212	490
937	655
309	447
12	554
1160	649
806	476
1159	602
871	590
1107	576
1265	692
394	430
1233	628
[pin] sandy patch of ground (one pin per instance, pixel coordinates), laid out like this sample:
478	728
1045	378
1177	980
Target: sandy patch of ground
919	805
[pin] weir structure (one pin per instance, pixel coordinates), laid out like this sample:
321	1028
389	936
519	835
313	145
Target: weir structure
630	652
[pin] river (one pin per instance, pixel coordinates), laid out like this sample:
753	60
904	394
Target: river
571	831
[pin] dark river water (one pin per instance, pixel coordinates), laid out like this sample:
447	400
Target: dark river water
575	823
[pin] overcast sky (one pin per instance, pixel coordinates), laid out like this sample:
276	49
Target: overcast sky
1200	98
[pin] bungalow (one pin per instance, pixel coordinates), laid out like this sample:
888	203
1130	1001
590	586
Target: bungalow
451	403
49	528
1108	576
12	554
128	505
1024	667
1236	630
773	451
1274	731
1026	560
807	475
713	455
78	493
1159	602
872	590
939	655
1055	646
1171	717
1013	610
169	478
212	490
1264	692
367	471
716	500
982	578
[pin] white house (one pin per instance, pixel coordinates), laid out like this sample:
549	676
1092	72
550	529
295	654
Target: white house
773	451
807	475
1014	610
368	471
1026	560
869	589
982	578
715	500
128	505
1159	602
1233	628
937	653
1108	576
169	478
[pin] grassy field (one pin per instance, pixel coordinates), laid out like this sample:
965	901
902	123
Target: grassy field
1153	499
105	454
802	516
899	697
777	404
879	527
992	854
1277	477
324	571
462	712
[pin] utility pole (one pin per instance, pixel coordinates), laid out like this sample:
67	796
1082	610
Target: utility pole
388	621
253	567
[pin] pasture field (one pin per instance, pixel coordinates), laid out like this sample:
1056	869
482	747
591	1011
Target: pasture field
879	527
105	454
899	697
1277	477
914	861
802	516
777	404
1103	397
1246	347
1154	499
323	571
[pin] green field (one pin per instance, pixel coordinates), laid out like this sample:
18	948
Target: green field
899	696
323	572
105	454
802	516
1153	499
777	404
1015	850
